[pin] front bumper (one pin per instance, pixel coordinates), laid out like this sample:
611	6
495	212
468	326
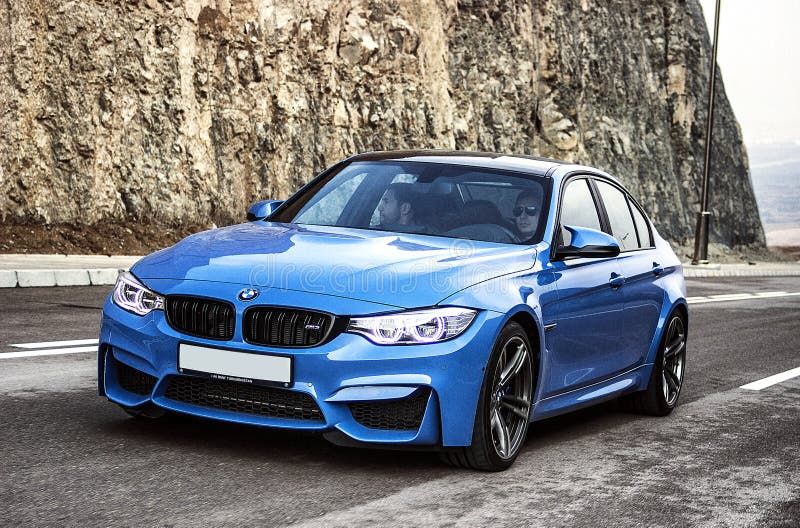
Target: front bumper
354	383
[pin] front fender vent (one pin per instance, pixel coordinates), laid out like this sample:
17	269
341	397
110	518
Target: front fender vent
134	380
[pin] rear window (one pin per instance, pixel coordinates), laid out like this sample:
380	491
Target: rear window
642	226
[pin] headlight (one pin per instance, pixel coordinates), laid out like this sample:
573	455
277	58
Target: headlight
131	295
416	327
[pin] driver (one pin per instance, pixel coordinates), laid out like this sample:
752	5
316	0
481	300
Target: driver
396	210
526	214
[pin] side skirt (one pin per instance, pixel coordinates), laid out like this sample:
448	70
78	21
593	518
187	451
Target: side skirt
627	382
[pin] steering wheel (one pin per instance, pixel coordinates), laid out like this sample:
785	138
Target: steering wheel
483	231
511	235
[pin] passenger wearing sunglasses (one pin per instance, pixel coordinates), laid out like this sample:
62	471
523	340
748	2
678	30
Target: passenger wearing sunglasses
526	214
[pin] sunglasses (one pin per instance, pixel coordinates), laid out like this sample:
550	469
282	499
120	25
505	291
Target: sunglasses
530	210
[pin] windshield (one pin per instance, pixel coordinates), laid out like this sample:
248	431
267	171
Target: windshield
425	198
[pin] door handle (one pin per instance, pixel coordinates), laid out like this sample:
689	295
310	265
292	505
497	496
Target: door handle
657	269
616	280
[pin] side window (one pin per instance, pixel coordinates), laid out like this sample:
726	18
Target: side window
578	209
642	227
619	216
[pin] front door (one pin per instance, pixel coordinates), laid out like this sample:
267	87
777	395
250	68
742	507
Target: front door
590	308
588	325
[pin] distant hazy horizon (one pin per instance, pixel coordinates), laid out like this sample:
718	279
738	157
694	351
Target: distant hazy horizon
758	57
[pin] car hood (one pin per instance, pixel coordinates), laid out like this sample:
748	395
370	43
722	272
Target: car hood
394	269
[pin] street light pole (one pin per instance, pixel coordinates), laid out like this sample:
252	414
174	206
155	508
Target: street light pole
704	216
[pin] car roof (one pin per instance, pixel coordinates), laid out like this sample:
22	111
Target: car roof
557	169
529	164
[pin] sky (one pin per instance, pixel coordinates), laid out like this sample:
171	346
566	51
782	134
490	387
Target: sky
759	57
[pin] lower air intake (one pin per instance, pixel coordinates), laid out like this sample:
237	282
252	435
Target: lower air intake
243	398
404	414
134	380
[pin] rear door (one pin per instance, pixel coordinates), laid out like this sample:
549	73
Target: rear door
639	265
585	340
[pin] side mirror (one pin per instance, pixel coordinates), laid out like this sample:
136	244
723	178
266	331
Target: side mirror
261	210
588	242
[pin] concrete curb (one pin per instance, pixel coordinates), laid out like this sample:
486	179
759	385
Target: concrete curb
696	274
58	277
8	279
691	272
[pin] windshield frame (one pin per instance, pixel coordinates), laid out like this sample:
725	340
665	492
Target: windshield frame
290	208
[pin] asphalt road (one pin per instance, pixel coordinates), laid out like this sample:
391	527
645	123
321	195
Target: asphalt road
725	457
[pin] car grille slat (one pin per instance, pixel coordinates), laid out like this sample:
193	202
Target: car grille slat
396	415
201	317
204	314
212	318
185	312
253	326
195	324
299	334
275	330
180	312
265	331
286	327
289	330
226	321
243	398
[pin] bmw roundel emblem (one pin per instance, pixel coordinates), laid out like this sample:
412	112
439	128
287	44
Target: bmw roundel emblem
248	294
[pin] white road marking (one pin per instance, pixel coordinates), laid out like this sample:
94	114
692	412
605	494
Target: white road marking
738	297
52	344
50	352
772	380
773	294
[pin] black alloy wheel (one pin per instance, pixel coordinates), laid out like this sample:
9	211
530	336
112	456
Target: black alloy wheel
673	361
666	380
504	406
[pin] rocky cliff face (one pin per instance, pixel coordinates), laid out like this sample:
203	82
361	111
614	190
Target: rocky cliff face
184	110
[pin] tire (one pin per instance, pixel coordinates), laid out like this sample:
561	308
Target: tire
666	379
504	405
147	411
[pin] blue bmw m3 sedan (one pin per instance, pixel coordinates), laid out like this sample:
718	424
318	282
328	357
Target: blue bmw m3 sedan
427	299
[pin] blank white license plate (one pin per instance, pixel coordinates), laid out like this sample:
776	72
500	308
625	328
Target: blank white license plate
234	366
